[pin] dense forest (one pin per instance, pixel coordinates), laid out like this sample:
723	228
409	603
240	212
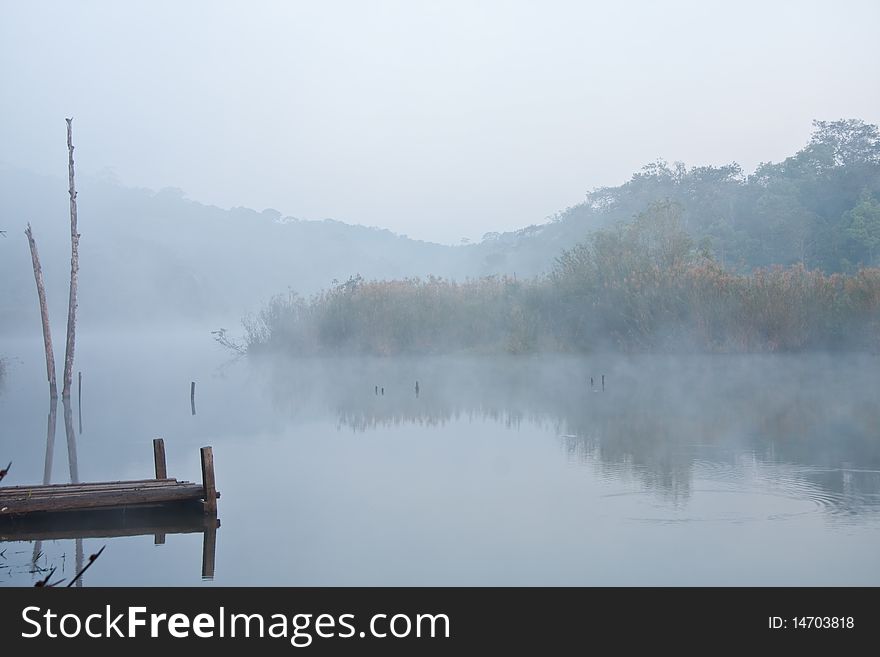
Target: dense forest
780	260
819	207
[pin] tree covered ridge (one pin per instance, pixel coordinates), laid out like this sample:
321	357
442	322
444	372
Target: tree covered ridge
819	207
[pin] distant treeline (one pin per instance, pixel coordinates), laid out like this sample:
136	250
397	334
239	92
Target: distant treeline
642	286
820	208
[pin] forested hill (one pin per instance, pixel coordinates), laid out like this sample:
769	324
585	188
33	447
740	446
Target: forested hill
157	256
819	207
152	257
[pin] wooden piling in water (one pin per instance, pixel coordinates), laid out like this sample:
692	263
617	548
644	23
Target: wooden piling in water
192	396
159	458
208	483
209	547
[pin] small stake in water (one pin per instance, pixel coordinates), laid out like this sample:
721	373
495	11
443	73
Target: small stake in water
592	387
377	391
603	383
417	388
383	391
192	396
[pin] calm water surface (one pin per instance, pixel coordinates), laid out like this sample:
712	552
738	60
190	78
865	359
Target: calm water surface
719	470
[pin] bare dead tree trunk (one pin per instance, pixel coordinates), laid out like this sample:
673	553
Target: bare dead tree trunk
72	461
50	441
74	270
44	314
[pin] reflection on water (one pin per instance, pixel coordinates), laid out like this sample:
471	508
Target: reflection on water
47	469
35	568
105	523
477	470
663	421
74	477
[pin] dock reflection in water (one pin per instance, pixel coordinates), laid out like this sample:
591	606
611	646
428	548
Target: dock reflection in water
182	517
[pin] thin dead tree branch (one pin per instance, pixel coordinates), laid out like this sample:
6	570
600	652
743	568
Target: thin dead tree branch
92	558
44	313
45	581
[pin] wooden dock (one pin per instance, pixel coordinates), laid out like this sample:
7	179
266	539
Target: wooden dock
56	498
111	509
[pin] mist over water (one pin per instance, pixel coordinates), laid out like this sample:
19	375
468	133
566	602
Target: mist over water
490	293
706	470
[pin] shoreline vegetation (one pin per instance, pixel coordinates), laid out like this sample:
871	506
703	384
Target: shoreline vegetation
643	286
675	260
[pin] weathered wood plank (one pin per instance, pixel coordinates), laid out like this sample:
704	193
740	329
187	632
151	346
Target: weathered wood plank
125	482
77	492
74	490
59	501
41	491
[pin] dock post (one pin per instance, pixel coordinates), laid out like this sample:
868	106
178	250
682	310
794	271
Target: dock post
159	458
209	547
208	480
192	396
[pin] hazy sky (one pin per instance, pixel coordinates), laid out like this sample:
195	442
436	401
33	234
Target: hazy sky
439	120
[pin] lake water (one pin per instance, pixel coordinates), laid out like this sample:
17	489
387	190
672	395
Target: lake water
700	470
